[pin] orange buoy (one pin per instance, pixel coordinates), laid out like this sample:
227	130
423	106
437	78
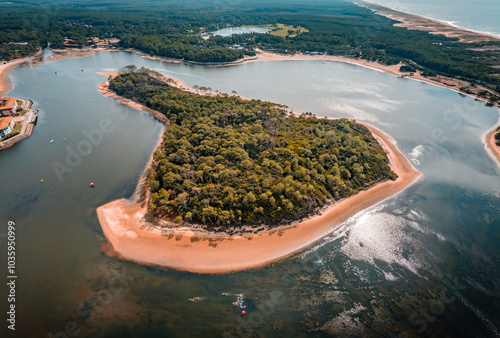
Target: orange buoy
92	185
41	181
243	313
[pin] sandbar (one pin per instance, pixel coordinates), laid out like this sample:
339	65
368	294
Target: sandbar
490	145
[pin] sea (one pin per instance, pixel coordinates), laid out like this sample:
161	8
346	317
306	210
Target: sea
478	15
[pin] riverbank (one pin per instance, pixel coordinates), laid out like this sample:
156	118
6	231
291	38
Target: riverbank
417	22
104	90
7	66
442	81
73	53
195	250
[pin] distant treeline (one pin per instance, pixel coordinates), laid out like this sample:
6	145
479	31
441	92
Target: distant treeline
228	161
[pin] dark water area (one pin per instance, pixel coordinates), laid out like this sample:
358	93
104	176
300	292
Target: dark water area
422	263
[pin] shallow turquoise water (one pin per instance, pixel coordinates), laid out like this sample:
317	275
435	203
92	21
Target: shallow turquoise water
423	262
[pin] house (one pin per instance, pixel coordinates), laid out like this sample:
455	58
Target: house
8	106
6	125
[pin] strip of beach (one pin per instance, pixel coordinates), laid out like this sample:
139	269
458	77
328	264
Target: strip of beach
417	22
199	251
490	144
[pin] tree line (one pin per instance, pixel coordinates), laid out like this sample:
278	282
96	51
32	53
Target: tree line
336	28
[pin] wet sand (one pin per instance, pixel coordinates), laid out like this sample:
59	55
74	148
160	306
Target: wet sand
199	251
7	66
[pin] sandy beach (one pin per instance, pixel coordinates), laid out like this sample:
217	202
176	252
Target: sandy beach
6	67
417	22
202	252
73	53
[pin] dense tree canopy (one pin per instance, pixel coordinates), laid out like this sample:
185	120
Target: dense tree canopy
229	161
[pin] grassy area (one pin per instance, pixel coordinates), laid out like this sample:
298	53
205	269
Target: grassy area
284	30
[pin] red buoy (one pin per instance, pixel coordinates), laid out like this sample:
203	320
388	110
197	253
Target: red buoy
243	313
92	185
56	73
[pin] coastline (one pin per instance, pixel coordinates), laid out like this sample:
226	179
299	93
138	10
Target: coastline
441	81
192	250
5	68
433	26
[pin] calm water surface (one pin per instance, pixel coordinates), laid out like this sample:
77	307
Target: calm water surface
235	30
423	262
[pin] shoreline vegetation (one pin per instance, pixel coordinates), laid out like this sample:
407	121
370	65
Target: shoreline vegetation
197	250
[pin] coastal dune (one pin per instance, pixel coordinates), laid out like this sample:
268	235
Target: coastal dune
134	239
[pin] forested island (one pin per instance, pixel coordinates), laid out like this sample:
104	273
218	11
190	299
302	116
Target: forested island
334	28
227	161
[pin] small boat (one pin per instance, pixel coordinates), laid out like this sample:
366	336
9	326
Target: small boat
51	141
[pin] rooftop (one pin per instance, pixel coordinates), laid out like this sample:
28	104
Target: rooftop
5	121
7	103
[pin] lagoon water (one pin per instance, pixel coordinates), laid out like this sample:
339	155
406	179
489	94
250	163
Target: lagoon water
235	30
478	15
423	262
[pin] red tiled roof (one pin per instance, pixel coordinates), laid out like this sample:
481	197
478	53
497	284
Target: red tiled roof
7	103
5	121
